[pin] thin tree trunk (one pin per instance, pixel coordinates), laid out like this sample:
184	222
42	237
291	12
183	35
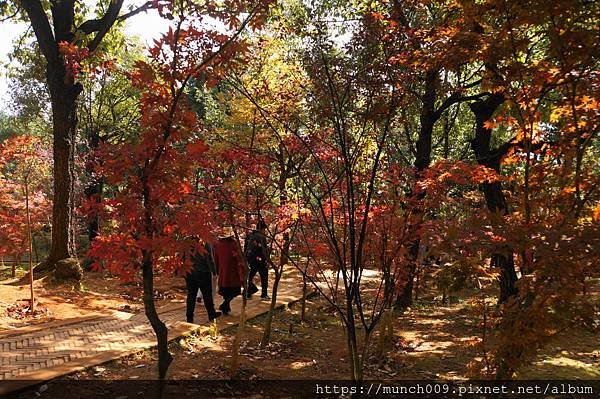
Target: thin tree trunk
304	293
235	348
283	199
285	252
266	338
417	282
355	363
386	333
29	237
285	249
353	354
160	329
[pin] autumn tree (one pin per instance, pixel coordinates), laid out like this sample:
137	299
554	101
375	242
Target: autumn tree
157	219
270	94
341	125
24	174
108	112
535	119
61	26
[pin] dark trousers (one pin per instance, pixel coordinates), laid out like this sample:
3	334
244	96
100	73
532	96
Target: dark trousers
203	283
228	293
263	270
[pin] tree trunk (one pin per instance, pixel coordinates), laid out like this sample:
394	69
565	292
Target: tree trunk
508	275
93	191
266	338
64	125
427	120
356	360
64	92
283	199
304	293
418	273
503	372
483	110
285	249
386	334
404	299
160	329
283	260
30	239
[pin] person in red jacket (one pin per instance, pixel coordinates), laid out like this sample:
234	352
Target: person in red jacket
230	266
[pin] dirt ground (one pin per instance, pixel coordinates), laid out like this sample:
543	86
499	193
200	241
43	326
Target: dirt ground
429	344
429	341
97	293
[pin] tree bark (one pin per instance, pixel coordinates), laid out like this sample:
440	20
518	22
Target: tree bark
285	252
30	239
427	119
483	110
304	293
284	175
266	338
355	361
64	126
160	329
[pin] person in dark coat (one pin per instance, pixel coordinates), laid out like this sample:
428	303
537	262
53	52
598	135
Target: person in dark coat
230	266
257	255
200	278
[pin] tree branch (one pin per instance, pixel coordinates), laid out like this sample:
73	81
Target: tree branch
41	27
453	99
107	21
143	8
11	16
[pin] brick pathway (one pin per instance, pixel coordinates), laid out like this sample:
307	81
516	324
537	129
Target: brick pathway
29	355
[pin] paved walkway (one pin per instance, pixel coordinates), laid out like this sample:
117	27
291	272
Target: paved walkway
32	354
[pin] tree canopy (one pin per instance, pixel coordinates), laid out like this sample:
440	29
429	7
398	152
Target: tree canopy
371	137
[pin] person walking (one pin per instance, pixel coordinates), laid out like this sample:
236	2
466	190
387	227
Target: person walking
200	279
257	255
231	268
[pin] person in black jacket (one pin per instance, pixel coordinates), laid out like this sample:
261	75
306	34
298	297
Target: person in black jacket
200	277
257	255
